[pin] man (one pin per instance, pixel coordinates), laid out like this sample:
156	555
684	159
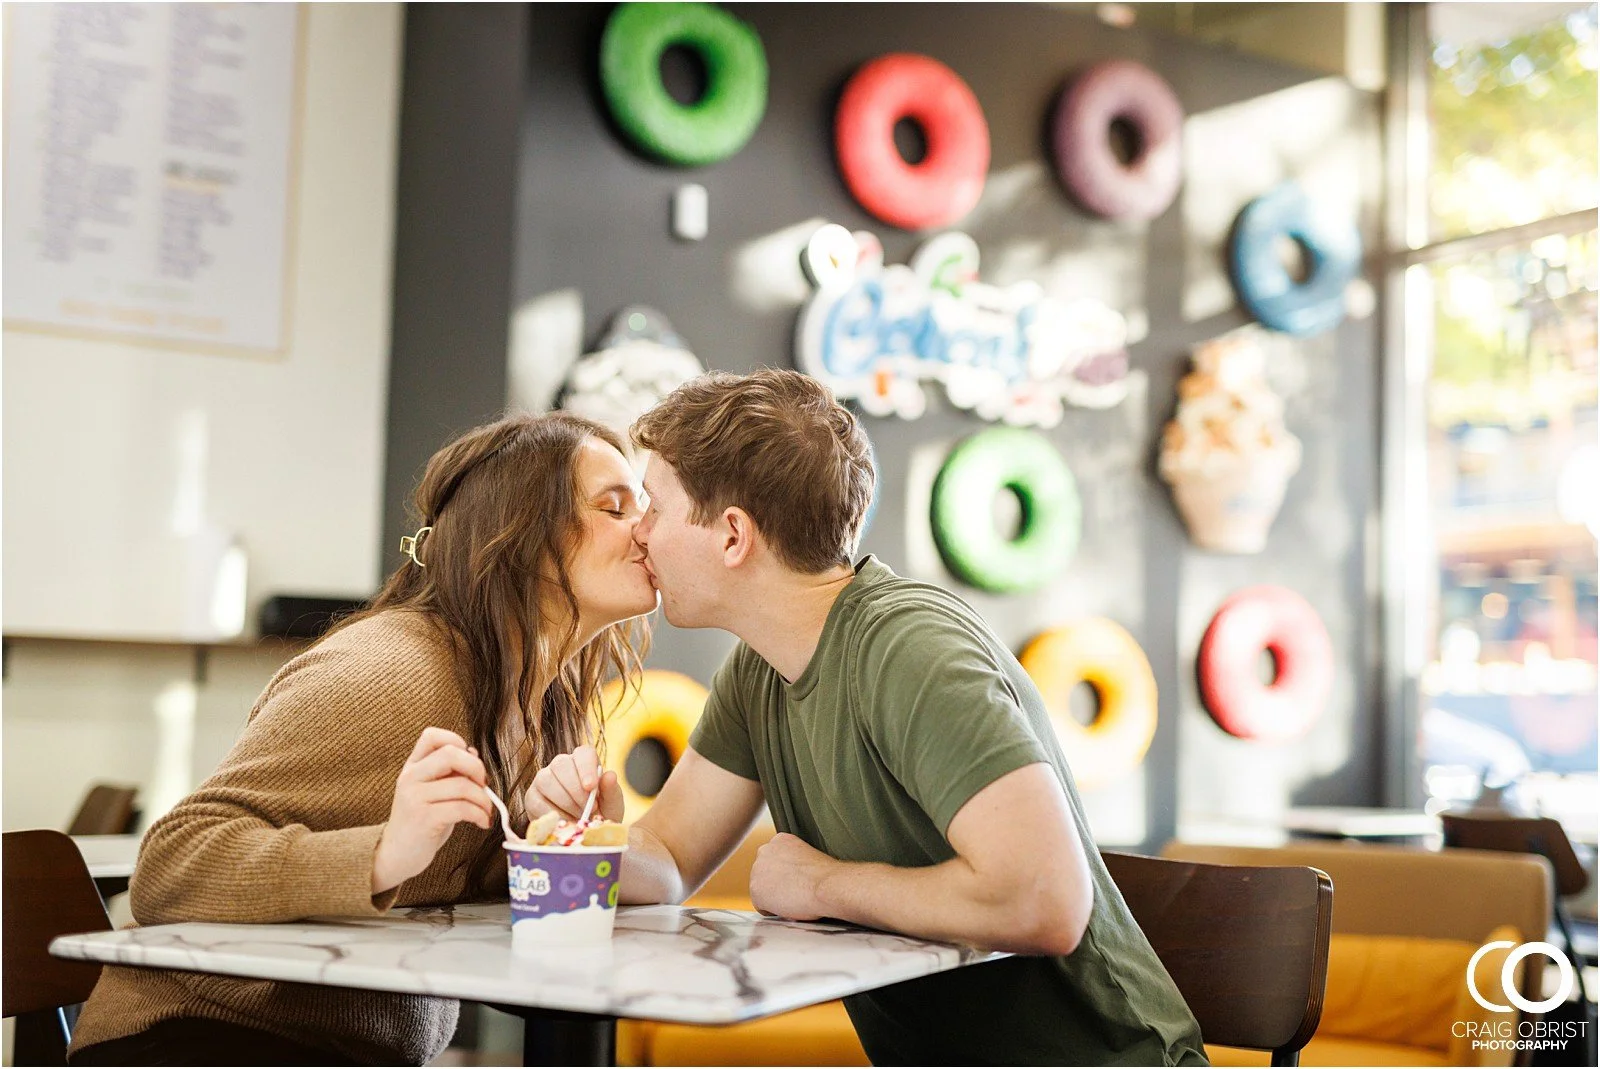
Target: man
907	760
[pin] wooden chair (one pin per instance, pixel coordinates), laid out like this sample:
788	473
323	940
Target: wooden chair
1408	891
106	810
1479	830
1247	946
47	892
1490	830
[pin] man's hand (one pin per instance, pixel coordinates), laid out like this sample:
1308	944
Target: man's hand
564	785
440	786
786	878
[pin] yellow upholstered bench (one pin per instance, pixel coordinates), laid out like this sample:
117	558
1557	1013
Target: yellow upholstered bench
816	1035
1397	1000
1405	924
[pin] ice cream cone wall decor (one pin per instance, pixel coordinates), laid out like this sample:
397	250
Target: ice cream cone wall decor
1227	454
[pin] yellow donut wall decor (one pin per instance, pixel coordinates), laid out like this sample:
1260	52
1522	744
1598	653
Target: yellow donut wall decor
1099	652
664	709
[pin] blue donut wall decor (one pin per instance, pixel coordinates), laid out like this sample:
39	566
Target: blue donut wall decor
1265	286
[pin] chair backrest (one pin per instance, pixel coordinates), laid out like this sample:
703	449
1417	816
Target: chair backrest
1476	830
1401	890
48	892
1246	945
106	810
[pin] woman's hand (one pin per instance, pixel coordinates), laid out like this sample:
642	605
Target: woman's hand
440	786
564	785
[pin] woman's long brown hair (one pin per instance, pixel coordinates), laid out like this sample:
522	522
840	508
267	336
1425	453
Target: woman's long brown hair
505	504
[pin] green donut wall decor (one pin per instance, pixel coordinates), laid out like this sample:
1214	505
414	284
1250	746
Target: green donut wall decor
722	120
1026	463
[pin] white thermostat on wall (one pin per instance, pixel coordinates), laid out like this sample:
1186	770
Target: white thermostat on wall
690	212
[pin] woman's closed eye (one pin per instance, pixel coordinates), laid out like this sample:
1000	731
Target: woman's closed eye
621	508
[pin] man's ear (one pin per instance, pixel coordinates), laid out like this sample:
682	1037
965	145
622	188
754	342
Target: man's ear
738	536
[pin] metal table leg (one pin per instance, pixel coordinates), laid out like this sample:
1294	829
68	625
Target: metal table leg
551	1037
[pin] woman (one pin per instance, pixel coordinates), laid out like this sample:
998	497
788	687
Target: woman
357	785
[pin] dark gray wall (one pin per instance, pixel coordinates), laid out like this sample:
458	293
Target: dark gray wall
455	196
592	217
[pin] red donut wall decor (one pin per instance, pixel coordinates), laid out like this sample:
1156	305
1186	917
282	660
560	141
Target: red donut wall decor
1275	619
946	184
1120	90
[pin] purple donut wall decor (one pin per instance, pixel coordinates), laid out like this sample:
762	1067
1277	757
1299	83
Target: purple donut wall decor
1105	93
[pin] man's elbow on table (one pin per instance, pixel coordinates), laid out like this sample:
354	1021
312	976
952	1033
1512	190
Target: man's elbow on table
1060	917
1036	871
1043	910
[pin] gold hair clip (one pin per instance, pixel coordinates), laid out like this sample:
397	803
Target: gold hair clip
409	544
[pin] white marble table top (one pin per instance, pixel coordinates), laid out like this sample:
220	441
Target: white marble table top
666	963
108	855
1357	822
1347	822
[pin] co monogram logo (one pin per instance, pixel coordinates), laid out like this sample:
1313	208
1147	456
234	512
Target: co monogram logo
1508	977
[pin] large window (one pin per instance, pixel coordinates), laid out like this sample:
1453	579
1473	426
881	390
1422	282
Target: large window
1511	96
1501	305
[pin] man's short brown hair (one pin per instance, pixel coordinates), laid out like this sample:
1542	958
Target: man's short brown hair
776	444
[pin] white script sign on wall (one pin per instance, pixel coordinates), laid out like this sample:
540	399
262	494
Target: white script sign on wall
875	333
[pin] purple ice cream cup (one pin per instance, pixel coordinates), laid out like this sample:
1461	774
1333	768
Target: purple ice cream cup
563	895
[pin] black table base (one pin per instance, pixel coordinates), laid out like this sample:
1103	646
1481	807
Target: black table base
551	1037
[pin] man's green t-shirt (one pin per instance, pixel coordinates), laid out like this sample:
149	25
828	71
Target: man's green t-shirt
911	706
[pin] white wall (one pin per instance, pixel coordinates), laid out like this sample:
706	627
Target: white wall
107	443
1342	39
75	712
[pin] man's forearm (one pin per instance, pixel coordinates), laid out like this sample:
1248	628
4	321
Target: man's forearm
650	873
951	903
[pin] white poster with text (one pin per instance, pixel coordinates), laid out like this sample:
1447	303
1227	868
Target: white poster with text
148	155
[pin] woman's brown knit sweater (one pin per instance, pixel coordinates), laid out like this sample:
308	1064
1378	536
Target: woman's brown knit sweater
286	828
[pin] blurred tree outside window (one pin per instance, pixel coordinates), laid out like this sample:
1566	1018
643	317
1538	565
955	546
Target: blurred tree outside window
1513	118
1509	696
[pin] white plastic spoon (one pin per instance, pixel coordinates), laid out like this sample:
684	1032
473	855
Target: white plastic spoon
588	807
505	817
